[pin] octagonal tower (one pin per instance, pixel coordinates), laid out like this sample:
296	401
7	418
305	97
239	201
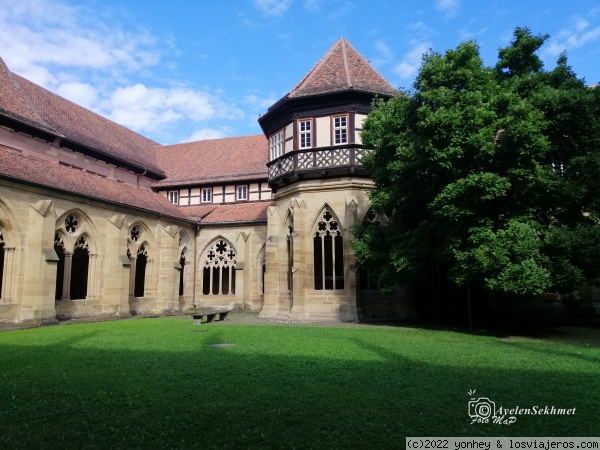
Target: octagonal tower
320	186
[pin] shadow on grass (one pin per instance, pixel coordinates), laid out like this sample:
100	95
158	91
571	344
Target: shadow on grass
321	388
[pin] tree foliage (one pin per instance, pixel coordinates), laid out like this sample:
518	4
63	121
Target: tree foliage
493	170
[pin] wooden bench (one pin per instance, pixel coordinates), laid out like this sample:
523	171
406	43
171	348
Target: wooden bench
210	315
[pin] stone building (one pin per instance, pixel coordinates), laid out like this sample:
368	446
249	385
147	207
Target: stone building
97	220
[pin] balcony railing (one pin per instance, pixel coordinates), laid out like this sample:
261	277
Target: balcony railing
315	160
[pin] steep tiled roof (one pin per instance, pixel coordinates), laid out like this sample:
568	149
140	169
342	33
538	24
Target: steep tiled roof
17	167
27	102
340	69
229	212
214	160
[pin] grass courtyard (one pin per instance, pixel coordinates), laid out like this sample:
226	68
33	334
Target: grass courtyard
158	383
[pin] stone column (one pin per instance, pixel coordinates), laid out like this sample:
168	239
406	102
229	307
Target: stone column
7	282
66	293
116	276
92	276
272	254
39	280
149	285
302	252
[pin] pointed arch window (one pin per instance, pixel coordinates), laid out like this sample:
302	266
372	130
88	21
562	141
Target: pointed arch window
2	245
183	248
218	271
262	264
59	248
328	245
79	269
290	253
140	271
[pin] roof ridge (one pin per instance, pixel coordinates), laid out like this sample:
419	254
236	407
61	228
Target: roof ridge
341	68
346	68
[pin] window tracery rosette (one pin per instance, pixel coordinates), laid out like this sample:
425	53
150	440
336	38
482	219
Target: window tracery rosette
220	254
142	251
71	223
134	234
327	226
2	241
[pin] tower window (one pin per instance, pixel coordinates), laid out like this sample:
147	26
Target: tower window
305	127
340	130
276	142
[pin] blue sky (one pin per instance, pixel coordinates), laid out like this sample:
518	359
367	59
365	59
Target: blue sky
197	69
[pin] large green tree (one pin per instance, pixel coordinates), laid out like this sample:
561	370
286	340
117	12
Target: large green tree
494	171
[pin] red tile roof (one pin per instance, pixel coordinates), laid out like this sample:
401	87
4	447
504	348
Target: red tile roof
17	167
27	102
214	160
229	212
340	69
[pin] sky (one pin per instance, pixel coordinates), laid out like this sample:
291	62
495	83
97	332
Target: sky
185	70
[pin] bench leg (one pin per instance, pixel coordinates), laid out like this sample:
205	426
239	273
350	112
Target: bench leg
210	317
223	315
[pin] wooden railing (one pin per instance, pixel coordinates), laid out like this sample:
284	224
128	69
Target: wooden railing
311	160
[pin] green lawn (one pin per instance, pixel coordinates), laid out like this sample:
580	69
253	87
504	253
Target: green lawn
157	383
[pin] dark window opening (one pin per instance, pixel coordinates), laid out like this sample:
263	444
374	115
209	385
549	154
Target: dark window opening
79	273
1	264
140	275
60	271
206	280
181	273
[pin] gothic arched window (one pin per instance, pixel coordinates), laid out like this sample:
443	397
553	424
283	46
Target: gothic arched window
290	252
2	243
140	271
183	248
59	248
218	271
79	269
328	253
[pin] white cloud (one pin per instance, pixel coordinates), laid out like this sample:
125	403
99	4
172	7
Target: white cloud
71	51
578	34
40	37
448	7
409	66
272	8
145	109
81	93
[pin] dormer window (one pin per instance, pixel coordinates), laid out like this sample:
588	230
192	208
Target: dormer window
174	197
206	195
305	129
276	142
340	130
242	193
